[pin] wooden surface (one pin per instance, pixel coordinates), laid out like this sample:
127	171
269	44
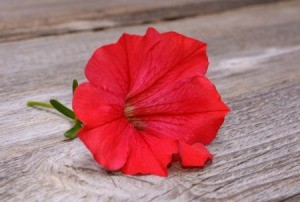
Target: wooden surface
255	64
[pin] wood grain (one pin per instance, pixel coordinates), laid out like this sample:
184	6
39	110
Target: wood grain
255	66
34	18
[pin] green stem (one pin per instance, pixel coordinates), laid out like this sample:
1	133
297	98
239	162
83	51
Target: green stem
39	104
54	104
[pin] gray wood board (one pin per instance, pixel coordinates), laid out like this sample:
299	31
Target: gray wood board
255	66
34	18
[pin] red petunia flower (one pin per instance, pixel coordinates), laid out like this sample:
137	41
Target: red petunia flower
147	99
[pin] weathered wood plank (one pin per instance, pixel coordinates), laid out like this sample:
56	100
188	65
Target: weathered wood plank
33	18
254	64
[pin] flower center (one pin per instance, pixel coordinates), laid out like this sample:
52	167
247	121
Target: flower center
136	123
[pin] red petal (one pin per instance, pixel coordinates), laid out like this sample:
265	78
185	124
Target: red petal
108	69
195	155
190	111
109	143
160	59
149	155
191	128
93	106
194	95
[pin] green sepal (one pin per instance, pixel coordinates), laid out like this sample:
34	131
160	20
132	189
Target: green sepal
75	85
39	104
63	109
72	132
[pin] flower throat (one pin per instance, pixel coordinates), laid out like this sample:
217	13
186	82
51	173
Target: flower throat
136	123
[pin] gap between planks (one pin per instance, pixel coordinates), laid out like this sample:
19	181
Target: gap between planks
96	16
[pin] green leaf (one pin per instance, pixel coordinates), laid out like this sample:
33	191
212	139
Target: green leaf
72	133
62	109
75	84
